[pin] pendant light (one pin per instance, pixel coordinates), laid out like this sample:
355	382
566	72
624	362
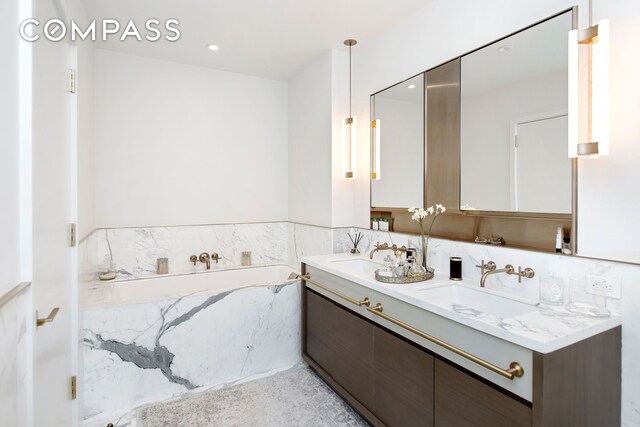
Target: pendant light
349	126
589	127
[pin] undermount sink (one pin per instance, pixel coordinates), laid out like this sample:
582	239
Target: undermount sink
359	265
473	302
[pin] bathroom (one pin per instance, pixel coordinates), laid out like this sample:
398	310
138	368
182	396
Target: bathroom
192	233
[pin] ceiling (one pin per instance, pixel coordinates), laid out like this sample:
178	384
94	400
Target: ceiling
267	38
410	90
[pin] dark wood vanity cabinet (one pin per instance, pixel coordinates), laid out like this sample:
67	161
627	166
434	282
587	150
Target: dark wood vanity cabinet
394	382
387	379
461	401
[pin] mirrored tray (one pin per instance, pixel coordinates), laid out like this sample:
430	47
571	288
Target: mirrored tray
405	280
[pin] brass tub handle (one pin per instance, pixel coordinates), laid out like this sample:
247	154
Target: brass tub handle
515	370
366	302
49	318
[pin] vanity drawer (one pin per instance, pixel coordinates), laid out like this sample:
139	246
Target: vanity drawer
482	347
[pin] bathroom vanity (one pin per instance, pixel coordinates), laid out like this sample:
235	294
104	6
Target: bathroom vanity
439	353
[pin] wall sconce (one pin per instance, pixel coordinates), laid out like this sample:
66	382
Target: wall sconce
349	130
375	149
589	108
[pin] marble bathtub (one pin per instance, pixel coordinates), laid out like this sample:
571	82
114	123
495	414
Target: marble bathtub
151	339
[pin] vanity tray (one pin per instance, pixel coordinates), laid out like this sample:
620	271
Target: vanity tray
405	280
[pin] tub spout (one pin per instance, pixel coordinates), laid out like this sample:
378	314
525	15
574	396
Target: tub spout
206	259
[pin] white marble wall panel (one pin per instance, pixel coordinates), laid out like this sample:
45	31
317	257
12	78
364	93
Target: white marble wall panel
307	240
145	352
135	250
15	370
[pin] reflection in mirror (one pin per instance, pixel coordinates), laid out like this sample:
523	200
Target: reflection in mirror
514	123
399	139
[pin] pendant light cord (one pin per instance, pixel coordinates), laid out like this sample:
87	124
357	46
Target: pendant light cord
350	81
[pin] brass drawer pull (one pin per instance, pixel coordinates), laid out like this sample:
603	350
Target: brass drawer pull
49	318
515	370
366	302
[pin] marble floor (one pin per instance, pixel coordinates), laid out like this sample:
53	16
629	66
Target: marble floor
295	397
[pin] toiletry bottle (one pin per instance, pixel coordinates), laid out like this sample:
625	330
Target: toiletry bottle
566	246
559	240
384	225
375	224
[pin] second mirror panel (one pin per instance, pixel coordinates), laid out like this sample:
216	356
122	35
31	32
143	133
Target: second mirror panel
514	123
398	145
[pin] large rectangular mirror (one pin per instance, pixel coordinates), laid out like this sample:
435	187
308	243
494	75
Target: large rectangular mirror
397	125
513	137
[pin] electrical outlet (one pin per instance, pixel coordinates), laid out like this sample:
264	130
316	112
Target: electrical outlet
610	287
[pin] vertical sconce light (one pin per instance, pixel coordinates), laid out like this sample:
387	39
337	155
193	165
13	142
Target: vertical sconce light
375	149
589	108
349	129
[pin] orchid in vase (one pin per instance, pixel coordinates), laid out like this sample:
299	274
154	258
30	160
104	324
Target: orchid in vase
420	214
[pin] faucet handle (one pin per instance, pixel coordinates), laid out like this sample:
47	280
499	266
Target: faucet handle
489	266
193	259
215	256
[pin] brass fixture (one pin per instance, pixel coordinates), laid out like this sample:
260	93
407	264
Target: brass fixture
203	258
490	266
385	246
366	302
507	269
527	272
514	370
215	257
245	260
49	318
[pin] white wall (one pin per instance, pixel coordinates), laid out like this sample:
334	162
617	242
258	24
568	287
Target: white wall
609	198
9	148
178	144
310	144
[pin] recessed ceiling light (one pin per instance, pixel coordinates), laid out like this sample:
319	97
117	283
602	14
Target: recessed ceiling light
504	48
213	47
411	86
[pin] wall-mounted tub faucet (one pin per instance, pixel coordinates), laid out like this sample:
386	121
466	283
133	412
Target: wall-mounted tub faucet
203	258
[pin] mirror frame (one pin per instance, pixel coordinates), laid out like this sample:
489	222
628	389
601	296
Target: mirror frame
401	221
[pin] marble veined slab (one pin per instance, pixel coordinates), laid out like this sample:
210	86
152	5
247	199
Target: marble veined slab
140	353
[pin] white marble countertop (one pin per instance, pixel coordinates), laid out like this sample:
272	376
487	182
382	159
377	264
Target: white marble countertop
543	329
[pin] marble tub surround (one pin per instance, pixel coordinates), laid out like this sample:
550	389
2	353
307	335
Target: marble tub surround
306	240
139	353
540	328
134	251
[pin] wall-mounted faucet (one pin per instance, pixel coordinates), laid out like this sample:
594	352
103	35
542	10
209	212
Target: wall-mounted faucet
203	258
491	269
385	246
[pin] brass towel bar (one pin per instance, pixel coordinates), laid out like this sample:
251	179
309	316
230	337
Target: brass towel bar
515	370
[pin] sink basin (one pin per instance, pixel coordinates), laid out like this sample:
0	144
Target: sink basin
359	265
473	302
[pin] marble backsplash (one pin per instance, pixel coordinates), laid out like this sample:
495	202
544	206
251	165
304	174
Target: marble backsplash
134	251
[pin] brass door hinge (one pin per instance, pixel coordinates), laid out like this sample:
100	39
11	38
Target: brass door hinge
74	389
72	80
72	235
